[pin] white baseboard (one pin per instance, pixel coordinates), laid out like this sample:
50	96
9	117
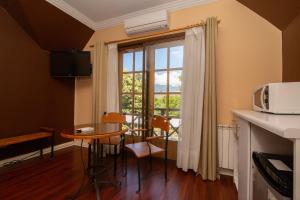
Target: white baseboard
235	180
36	153
78	143
226	172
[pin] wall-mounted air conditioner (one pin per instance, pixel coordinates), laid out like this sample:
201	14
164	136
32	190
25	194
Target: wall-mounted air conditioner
148	22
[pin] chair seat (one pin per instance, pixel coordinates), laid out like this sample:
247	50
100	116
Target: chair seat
112	140
141	149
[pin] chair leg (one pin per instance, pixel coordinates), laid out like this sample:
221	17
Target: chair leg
166	168
52	145
101	150
150	162
89	156
41	153
139	175
123	147
115	160
98	149
125	152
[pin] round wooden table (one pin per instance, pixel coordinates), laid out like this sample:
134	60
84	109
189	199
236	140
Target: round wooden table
100	131
95	134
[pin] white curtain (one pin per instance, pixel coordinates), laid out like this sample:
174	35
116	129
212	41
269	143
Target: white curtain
105	96
188	151
112	87
112	99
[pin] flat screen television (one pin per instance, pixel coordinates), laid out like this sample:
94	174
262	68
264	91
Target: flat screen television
70	63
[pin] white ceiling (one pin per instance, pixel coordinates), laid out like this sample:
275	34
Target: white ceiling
99	10
98	14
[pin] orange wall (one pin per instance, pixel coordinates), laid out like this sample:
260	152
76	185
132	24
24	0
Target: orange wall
249	54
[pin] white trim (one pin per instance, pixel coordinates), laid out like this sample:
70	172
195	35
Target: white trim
45	151
78	143
227	172
73	12
171	6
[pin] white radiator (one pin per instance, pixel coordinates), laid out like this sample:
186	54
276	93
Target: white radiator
226	146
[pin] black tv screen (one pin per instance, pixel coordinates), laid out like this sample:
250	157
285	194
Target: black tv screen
70	63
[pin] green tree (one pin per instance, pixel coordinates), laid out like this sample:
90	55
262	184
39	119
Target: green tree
160	101
127	87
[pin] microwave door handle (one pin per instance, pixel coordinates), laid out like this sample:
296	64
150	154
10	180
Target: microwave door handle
262	98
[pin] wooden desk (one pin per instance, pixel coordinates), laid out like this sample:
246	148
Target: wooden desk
100	131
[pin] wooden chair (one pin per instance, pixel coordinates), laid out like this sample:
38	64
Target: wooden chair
114	118
146	149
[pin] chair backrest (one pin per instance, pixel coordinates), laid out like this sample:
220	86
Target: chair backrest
113	117
160	122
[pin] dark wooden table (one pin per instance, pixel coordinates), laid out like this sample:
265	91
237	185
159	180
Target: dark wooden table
94	169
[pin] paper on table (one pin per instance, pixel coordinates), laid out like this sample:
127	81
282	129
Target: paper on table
86	129
278	164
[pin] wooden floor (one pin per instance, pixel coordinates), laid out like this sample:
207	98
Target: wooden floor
52	179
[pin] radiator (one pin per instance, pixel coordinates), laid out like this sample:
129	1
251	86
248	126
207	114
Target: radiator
226	146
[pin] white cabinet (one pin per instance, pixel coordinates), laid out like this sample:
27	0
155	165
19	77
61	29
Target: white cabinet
268	133
243	132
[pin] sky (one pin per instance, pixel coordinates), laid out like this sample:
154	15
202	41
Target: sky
176	61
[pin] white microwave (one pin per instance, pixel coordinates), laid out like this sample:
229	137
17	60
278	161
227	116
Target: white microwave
278	98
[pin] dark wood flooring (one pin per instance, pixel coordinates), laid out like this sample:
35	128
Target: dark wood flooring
54	179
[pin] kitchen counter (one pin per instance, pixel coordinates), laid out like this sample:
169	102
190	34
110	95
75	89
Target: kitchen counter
286	126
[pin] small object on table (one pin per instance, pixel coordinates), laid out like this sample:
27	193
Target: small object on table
85	130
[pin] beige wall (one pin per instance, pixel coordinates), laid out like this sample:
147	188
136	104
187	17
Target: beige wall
249	54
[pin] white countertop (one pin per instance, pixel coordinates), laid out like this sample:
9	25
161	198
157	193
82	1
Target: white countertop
286	126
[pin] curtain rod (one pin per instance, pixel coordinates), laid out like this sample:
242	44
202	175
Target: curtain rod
202	23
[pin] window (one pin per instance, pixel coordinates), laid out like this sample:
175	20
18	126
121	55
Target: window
154	88
168	65
132	87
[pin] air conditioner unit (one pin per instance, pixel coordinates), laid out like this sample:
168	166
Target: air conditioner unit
148	22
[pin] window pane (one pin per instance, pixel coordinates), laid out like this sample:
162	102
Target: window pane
161	58
174	105
127	62
175	122
160	81
126	111
160	104
138	122
126	101
139	61
138	83
138	111
176	57
127	83
137	101
174	101
175	81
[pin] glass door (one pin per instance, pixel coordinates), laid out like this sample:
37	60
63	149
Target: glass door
132	87
165	79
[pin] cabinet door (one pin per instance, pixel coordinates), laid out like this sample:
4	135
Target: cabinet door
243	159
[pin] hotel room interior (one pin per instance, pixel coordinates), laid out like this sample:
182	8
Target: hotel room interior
150	99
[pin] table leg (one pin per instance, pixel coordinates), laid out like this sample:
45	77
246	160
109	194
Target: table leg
96	165
97	189
52	145
296	191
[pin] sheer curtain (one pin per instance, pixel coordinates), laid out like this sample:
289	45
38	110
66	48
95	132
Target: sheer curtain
105	80
105	83
189	143
112	99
